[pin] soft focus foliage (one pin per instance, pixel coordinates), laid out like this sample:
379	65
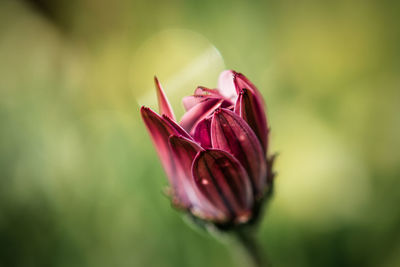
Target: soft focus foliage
80	183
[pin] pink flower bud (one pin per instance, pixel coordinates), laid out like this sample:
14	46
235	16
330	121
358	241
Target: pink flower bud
215	157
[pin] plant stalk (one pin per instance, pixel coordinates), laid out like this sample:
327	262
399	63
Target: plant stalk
251	248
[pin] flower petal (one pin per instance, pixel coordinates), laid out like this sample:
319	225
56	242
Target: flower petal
191	101
199	112
178	129
163	104
241	82
201	94
225	183
184	152
204	91
202	133
160	130
231	133
249	108
226	84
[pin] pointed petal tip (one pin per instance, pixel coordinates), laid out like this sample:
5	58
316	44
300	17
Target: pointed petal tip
158	85
163	104
156	80
146	111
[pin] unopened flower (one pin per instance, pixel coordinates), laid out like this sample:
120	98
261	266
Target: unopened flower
216	156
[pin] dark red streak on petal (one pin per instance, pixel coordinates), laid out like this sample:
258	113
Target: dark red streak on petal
241	154
231	133
250	109
219	190
223	180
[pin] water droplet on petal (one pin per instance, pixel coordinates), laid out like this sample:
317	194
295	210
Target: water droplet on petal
204	182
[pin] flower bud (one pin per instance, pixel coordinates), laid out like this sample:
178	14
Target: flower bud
216	156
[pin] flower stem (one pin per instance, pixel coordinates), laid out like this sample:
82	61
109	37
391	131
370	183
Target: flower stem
251	248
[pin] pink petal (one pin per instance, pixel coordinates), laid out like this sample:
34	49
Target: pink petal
192	100
160	130
202	133
251	110
224	182
226	85
231	133
199	112
201	91
241	82
184	152
163	104
201	94
178	129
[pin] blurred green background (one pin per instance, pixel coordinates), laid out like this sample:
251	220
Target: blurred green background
80	183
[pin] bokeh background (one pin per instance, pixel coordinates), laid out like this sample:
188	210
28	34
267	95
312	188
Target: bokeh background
80	183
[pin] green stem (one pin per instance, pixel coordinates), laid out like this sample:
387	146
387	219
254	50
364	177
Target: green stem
251	247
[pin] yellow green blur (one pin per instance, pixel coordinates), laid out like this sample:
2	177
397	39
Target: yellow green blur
80	182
